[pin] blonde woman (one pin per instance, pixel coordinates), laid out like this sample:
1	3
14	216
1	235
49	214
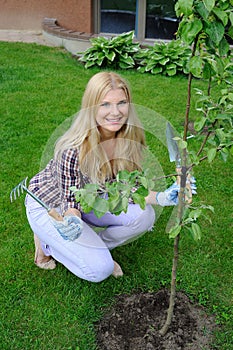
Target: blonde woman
105	137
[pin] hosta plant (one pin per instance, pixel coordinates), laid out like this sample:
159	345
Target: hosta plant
164	58
116	52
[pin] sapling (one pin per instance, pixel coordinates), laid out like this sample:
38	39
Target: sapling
205	26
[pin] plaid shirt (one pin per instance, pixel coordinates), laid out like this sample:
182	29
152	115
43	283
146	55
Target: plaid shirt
52	184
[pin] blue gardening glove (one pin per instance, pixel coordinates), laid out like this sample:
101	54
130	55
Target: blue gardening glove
170	195
192	182
70	228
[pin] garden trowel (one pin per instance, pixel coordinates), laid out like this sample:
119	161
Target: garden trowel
175	156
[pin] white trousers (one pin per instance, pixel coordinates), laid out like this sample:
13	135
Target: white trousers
89	257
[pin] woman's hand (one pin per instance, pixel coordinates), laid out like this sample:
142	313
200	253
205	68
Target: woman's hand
169	196
70	228
72	212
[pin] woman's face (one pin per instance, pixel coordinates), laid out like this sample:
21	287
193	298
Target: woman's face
112	113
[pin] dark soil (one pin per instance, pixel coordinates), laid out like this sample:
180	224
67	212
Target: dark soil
134	322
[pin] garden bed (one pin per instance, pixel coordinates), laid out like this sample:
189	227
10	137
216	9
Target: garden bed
134	322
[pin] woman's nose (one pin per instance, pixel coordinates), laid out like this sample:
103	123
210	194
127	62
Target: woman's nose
114	109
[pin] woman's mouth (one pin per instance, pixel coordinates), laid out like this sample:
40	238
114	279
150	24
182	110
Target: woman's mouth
114	120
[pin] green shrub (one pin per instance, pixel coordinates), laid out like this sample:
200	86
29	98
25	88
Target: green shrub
116	52
121	52
164	58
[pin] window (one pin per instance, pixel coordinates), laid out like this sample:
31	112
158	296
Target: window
161	20
149	18
118	16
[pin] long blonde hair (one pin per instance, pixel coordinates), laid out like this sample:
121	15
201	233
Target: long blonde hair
85	136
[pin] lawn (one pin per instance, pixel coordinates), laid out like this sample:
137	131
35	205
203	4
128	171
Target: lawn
41	88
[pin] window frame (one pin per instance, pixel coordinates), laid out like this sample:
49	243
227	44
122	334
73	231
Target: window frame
140	23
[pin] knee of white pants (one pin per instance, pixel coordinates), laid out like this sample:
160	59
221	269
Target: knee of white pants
145	221
94	267
100	271
101	275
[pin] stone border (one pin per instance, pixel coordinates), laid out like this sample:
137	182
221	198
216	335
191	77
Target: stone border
51	26
72	41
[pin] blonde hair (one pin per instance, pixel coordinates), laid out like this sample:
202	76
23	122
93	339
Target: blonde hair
85	136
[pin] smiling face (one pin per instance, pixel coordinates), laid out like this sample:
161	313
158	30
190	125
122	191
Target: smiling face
112	113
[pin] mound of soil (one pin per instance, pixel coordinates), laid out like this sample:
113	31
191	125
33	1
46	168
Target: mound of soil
135	320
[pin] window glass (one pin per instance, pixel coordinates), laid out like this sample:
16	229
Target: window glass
118	16
161	20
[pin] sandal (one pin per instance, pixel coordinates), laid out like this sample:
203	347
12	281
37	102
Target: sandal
46	265
49	265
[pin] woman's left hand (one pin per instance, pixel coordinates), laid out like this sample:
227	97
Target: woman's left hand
72	212
70	228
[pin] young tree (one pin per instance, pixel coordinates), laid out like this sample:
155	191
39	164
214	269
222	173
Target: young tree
205	25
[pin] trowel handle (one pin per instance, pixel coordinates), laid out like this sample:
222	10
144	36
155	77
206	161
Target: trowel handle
55	215
188	195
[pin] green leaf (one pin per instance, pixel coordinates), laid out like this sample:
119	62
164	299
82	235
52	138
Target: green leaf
111	56
211	154
125	204
215	30
196	66
224	47
221	135
138	199
157	70
174	231
196	231
163	61
224	153
230	96
182	144
199	124
208	71
89	64
209	4
100	207
123	175
113	199
189	29
142	191
222	15
202	10
194	214
186	7
231	18
144	181
171	72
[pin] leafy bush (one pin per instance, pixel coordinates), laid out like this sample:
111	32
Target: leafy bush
164	58
116	52
114	196
121	52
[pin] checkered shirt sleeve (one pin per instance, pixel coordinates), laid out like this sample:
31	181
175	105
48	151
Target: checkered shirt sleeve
52	184
68	174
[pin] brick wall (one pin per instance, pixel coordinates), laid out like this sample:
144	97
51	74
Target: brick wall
29	14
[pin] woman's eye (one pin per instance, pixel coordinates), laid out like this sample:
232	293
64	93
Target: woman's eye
109	104
122	103
105	104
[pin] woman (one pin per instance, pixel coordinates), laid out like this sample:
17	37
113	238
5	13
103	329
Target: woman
105	137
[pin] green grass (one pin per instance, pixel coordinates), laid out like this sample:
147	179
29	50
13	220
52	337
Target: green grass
40	87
